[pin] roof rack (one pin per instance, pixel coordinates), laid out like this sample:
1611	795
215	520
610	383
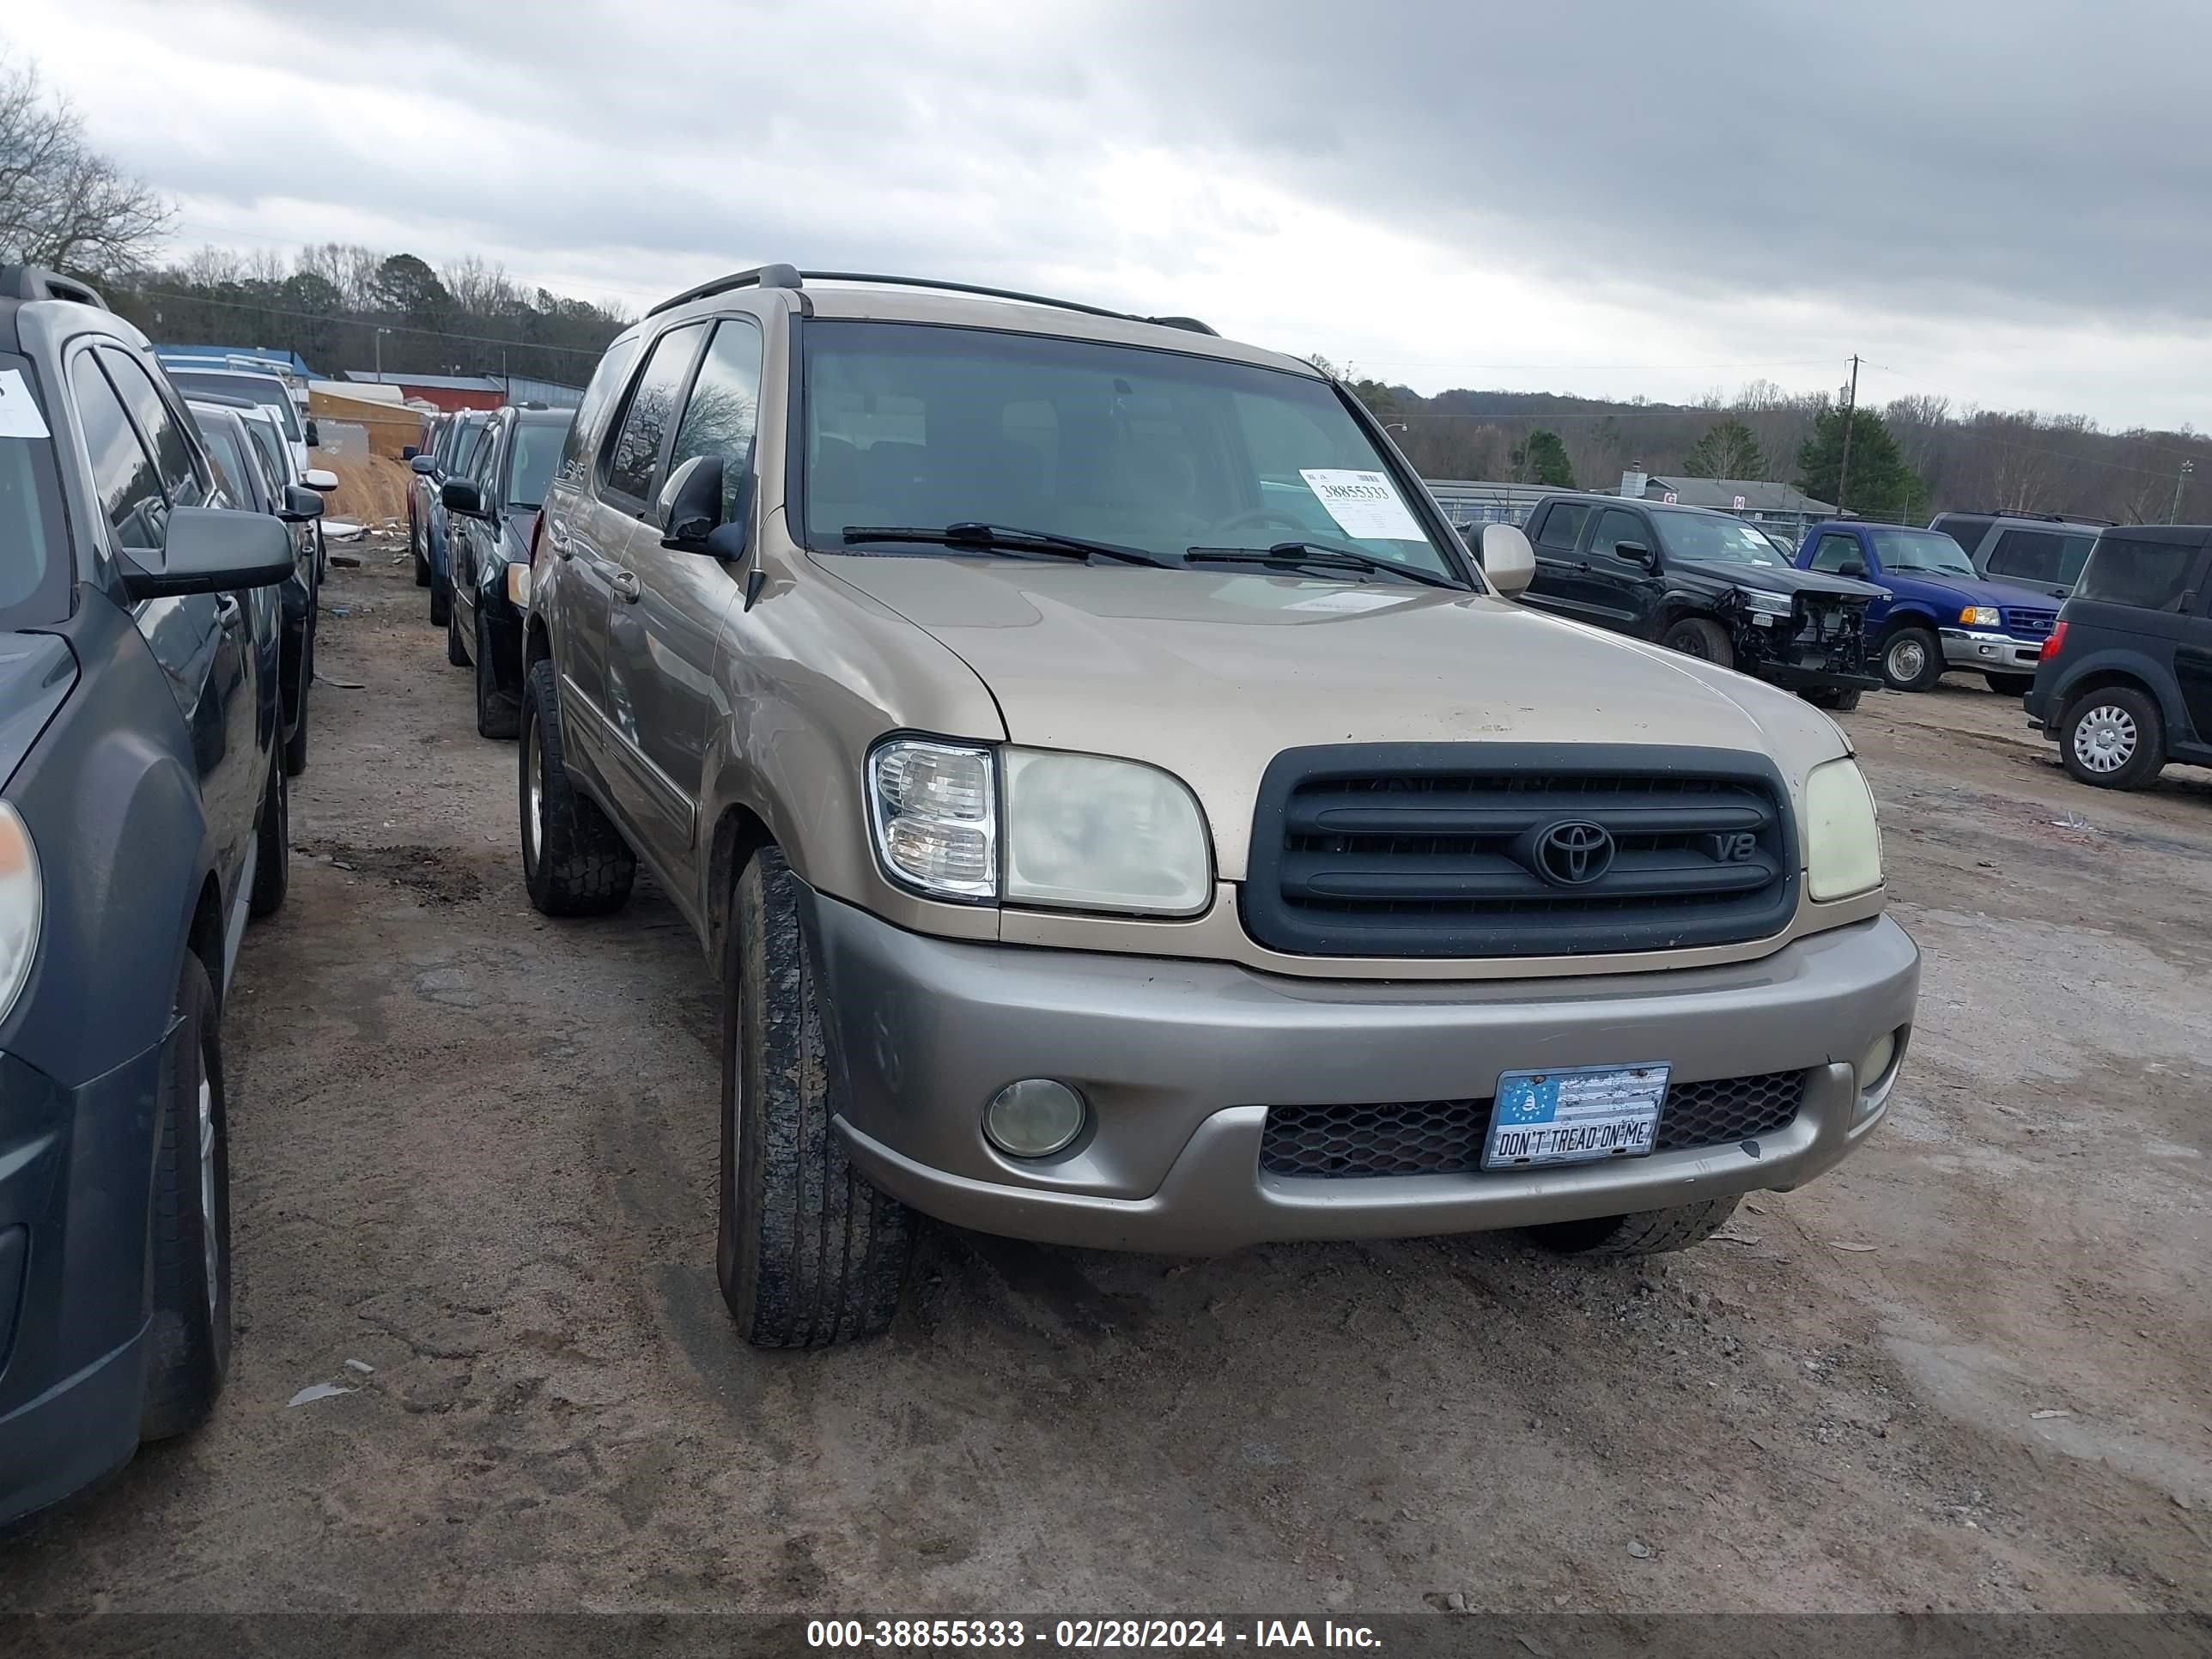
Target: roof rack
2034	518
785	276
36	282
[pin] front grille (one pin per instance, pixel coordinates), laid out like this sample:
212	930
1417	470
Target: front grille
2029	624
1446	1137
1456	850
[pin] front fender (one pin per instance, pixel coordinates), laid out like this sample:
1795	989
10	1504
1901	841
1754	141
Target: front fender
2136	666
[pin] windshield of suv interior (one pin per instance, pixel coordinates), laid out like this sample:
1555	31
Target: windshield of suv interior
530	462
35	577
1925	552
1712	539
909	425
269	393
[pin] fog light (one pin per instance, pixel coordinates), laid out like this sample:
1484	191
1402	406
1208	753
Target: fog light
1033	1118
1876	1059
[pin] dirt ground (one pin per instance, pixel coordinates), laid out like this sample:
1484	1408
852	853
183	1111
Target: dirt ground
474	1152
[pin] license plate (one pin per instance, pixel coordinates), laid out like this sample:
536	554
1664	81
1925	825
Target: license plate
1574	1116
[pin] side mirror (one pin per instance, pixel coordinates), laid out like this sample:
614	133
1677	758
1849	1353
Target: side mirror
313	442
460	495
1634	553
319	477
209	550
690	507
407	452
1508	561
301	503
1855	568
425	464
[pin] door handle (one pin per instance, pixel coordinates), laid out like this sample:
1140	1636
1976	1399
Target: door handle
627	585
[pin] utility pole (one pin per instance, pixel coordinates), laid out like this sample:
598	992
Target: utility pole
1851	419
2174	513
380	333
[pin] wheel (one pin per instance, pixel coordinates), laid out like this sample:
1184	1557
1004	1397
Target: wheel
1648	1232
1700	637
2113	739
295	746
496	714
808	1253
189	1337
1842	702
441	602
1911	659
573	861
415	547
2010	685
455	656
273	834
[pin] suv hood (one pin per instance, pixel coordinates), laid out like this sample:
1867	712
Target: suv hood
1209	674
1778	578
37	671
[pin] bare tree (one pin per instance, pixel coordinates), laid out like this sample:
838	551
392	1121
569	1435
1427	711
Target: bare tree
62	203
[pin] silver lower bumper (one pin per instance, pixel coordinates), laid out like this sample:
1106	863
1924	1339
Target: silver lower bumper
1996	654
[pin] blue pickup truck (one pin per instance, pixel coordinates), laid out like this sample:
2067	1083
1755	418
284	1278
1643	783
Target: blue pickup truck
1940	613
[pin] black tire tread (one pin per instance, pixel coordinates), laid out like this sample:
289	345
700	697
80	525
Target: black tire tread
272	863
1646	1232
585	868
188	1351
811	1253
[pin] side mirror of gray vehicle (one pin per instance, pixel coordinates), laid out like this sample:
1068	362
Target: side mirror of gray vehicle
1508	561
208	550
301	504
460	495
690	509
423	464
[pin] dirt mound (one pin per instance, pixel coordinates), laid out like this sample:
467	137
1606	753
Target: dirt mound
372	489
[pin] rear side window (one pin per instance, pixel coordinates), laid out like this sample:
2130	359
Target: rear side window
2146	575
724	408
636	449
2041	556
1963	528
231	464
1563	526
123	473
591	408
1834	552
159	425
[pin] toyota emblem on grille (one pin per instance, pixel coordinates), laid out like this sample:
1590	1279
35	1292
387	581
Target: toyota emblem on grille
1573	854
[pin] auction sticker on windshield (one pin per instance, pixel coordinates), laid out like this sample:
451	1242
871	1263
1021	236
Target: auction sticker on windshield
1574	1116
1365	505
19	416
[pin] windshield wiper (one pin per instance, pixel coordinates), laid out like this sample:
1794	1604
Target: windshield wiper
997	538
1318	555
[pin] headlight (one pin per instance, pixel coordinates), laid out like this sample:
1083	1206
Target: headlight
1981	616
1095	834
1843	843
518	587
1759	602
936	816
19	902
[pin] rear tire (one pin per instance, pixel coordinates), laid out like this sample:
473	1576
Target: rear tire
496	714
189	1338
1911	659
574	862
2011	685
807	1252
1700	637
2113	739
1648	1232
273	859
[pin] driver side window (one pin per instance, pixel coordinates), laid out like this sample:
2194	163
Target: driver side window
1615	526
1834	552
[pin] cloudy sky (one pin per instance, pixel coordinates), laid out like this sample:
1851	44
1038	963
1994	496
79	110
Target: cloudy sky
2008	201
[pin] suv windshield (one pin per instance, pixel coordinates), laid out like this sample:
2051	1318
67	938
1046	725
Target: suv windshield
267	392
1152	451
531	459
35	577
1926	552
1709	539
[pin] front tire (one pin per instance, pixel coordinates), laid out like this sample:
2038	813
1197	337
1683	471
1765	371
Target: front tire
272	858
1840	701
1702	638
1649	1232
1911	659
808	1253
574	862
456	657
2113	739
2011	685
189	1338
295	746
496	714
442	600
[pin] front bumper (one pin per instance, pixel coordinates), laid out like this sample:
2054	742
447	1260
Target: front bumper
1181	1061
76	1169
1996	654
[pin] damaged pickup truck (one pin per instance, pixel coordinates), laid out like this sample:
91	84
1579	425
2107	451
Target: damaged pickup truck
1705	584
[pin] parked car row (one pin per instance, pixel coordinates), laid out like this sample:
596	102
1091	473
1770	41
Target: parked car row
152	653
